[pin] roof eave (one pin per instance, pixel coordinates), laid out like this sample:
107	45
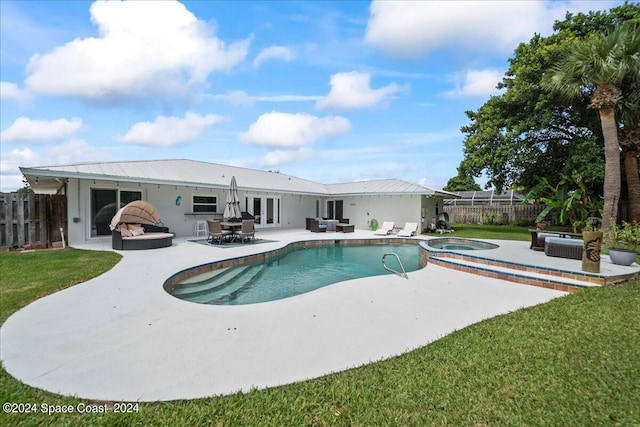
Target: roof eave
33	175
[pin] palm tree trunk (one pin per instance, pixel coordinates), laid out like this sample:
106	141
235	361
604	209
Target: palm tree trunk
630	146
630	155
612	166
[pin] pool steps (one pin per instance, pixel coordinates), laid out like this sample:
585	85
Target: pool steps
202	278
546	277
212	282
220	284
546	280
236	286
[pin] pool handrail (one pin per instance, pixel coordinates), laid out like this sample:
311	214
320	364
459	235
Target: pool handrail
404	272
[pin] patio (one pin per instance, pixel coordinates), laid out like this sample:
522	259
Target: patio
120	336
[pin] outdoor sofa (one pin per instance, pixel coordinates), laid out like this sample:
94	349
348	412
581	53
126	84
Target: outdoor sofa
154	237
563	247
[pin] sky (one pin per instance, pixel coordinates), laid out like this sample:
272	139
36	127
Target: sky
329	91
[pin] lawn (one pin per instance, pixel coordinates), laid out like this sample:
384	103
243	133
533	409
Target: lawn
500	232
572	361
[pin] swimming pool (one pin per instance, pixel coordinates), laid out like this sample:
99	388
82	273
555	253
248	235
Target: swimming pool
458	244
293	272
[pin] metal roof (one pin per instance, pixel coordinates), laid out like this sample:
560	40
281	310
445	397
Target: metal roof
383	186
486	197
209	175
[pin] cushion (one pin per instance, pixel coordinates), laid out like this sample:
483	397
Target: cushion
136	230
565	242
124	231
547	235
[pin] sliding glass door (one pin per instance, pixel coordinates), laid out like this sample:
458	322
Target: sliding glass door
265	209
104	205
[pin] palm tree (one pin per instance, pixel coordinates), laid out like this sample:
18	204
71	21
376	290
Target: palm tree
630	143
601	66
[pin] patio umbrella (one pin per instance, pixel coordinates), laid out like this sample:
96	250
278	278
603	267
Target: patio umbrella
136	212
232	210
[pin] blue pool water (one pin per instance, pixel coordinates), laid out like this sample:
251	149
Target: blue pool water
294	273
459	244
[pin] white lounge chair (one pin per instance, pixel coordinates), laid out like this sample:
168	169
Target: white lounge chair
385	229
410	229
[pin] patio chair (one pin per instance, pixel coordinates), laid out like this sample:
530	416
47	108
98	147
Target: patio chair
316	227
247	231
386	228
216	233
410	229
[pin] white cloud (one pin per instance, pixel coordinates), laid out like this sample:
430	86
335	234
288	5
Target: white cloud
10	161
353	90
73	151
286	98
240	97
27	130
279	157
9	171
237	97
294	130
143	48
478	83
412	29
274	52
10	90
169	131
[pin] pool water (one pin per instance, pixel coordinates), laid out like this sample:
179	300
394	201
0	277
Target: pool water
456	247
460	244
294	273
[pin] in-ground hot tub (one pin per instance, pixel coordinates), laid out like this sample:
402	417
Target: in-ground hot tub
459	244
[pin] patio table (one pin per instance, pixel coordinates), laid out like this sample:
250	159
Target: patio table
233	226
331	224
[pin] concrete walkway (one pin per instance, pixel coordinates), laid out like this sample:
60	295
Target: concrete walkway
120	336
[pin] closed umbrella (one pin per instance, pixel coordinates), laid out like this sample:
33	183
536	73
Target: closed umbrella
232	209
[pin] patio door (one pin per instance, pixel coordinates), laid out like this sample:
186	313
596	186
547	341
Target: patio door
334	209
265	209
104	205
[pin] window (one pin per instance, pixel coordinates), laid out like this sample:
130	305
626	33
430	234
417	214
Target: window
205	204
104	205
127	197
334	209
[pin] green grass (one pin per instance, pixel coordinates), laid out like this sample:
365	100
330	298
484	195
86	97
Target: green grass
501	232
573	361
27	276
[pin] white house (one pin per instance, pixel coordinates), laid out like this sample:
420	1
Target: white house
185	191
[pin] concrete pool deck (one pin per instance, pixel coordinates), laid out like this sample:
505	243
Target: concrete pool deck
120	336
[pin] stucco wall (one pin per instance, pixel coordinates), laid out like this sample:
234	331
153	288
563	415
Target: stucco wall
293	208
399	209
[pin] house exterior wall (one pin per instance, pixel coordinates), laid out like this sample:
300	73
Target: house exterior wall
397	208
179	218
431	208
294	208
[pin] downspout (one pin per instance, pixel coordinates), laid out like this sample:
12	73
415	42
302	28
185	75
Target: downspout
78	197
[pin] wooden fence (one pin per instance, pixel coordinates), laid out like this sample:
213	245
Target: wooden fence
31	219
505	214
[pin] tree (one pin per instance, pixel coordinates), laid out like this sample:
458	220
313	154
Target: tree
630	143
600	66
568	202
462	182
527	131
